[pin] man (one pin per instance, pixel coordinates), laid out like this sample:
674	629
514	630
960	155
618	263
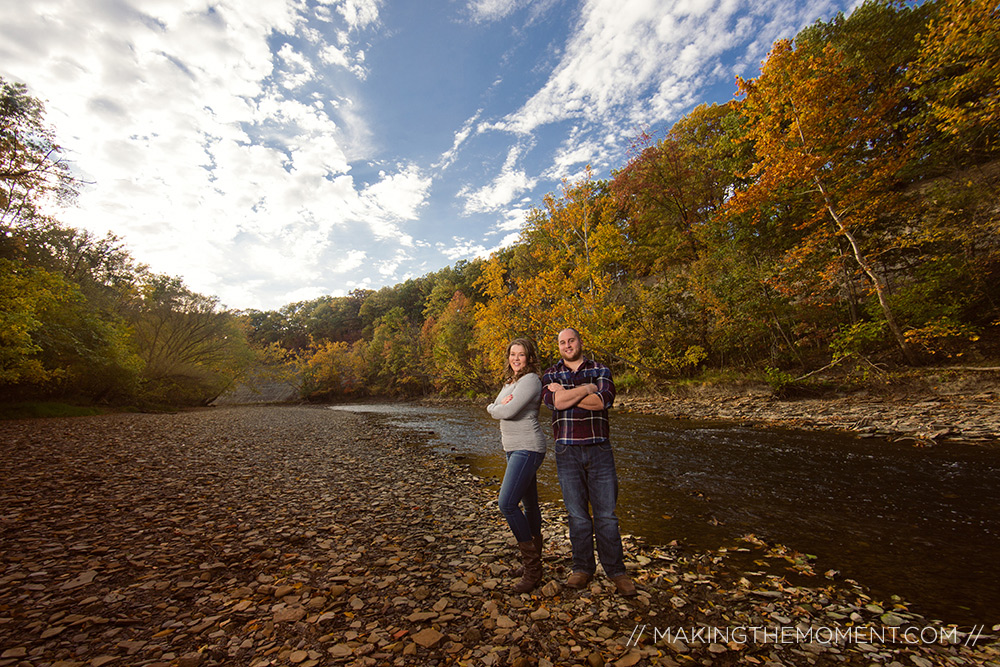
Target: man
579	392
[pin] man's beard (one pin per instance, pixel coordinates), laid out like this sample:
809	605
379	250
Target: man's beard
579	353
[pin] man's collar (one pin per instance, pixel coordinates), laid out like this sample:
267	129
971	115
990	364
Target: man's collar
583	362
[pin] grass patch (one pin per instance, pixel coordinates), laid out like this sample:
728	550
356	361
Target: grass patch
36	409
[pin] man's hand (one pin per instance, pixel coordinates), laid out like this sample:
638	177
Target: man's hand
555	386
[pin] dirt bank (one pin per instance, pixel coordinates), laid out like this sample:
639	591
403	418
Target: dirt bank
304	536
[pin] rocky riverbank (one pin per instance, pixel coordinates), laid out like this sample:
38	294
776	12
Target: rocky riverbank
972	417
303	536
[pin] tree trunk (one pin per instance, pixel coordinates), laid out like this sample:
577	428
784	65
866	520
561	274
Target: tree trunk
881	288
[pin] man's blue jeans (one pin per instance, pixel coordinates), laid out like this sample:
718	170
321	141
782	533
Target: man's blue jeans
588	478
520	486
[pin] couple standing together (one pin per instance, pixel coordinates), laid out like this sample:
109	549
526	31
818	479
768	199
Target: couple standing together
579	392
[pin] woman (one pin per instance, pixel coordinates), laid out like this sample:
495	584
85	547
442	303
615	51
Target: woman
516	406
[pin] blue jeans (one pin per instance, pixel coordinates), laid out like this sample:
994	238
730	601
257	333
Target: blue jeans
520	486
588	478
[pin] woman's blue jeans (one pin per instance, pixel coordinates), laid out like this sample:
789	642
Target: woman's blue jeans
520	487
589	482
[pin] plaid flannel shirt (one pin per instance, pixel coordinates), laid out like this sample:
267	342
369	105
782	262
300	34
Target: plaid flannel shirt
576	425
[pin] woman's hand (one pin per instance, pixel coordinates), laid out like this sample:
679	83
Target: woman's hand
507	399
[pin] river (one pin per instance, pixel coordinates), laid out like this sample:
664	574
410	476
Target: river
918	522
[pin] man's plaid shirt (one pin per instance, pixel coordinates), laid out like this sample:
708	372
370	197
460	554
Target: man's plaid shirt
576	425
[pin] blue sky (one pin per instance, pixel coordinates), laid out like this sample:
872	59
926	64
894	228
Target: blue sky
272	151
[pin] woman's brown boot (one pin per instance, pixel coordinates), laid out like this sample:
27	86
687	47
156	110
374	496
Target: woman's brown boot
531	559
518	570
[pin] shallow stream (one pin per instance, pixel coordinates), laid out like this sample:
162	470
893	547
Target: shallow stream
918	522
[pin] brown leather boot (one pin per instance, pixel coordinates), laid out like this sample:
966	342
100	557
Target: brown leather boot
531	559
578	580
519	570
624	584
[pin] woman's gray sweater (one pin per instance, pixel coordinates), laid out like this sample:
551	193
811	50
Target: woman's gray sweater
519	427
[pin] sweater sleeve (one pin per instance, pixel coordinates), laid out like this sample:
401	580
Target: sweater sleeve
496	402
526	391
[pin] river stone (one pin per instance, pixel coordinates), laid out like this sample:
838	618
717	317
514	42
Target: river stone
340	650
82	580
192	659
540	614
629	659
428	637
551	589
289	615
891	620
418	616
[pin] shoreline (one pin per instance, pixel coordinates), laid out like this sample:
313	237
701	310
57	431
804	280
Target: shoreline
920	419
299	535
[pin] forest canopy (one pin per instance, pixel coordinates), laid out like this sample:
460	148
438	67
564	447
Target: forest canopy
842	206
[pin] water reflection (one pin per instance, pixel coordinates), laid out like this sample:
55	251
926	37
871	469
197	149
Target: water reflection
917	522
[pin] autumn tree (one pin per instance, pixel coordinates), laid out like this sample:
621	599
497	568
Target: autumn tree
25	296
447	341
335	370
670	191
958	73
823	125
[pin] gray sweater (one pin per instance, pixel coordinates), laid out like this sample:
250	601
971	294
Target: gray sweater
519	427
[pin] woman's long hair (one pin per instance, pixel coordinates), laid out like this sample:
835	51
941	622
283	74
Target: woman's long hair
532	362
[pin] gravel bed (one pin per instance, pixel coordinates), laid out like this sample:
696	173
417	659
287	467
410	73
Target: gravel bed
292	535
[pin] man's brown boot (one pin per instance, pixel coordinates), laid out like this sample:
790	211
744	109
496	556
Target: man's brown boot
578	580
624	584
531	559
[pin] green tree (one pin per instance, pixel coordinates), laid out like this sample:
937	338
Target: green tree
393	356
191	350
25	296
32	171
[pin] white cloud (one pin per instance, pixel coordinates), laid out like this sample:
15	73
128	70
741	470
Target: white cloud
462	249
341	56
505	188
298	70
396	197
206	166
448	157
485	11
357	13
645	60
